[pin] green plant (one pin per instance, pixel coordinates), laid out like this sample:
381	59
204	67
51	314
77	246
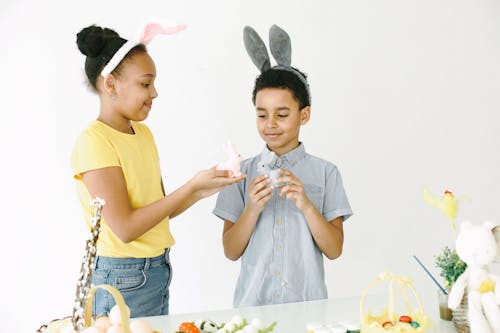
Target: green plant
451	266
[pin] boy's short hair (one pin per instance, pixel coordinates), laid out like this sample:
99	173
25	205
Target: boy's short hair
284	79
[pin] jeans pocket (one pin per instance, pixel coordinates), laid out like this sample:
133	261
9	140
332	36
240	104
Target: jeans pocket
100	276
100	302
130	280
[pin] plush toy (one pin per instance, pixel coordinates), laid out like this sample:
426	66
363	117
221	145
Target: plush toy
233	161
478	246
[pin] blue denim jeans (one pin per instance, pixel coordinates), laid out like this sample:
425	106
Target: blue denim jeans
143	283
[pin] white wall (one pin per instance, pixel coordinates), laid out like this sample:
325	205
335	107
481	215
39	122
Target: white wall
405	95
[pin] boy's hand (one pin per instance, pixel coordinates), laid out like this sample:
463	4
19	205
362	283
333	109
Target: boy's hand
293	190
259	193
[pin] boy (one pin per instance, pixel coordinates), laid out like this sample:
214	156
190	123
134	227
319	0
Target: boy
282	232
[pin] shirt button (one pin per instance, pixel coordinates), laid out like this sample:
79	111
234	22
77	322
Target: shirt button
277	273
276	296
280	222
278	247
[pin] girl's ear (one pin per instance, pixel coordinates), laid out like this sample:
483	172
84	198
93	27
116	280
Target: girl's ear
305	115
109	85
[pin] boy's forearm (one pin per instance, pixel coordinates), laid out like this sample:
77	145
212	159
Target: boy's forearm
329	236
235	238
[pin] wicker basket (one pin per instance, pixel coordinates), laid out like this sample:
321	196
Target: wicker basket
460	316
378	323
66	324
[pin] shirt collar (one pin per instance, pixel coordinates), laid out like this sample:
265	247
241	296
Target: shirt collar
292	156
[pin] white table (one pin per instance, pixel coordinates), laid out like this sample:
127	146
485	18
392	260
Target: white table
294	317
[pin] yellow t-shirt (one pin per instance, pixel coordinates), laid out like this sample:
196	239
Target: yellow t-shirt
101	146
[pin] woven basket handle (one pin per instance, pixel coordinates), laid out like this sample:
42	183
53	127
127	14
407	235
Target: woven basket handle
85	277
118	300
403	282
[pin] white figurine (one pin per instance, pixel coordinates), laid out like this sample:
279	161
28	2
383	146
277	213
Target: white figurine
478	246
266	166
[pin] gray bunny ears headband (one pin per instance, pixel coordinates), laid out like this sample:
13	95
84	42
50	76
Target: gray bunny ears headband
281	49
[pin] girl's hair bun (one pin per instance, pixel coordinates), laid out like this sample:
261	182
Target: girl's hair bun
92	39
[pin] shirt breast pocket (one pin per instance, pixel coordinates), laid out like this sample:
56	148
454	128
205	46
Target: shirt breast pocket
315	195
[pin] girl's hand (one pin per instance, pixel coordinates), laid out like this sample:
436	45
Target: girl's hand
210	181
293	190
259	193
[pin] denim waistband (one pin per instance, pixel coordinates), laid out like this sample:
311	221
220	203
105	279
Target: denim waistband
132	263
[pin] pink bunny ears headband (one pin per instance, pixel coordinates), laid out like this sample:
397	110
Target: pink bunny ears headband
148	32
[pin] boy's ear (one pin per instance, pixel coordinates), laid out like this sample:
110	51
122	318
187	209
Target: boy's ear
305	115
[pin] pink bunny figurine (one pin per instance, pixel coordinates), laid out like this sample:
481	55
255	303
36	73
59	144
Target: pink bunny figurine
233	161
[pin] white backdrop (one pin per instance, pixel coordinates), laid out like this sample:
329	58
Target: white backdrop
405	95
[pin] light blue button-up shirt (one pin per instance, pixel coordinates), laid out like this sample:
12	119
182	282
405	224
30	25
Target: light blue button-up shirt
282	262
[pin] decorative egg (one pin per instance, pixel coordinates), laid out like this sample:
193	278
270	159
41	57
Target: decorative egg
337	328
140	326
208	326
258	324
114	315
322	329
92	330
68	329
414	324
250	329
405	319
237	320
387	324
351	326
230	326
115	329
102	323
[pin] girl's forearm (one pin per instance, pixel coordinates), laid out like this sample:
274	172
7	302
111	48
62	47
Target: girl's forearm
138	221
185	205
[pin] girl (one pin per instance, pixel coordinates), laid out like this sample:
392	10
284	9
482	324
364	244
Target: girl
116	159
